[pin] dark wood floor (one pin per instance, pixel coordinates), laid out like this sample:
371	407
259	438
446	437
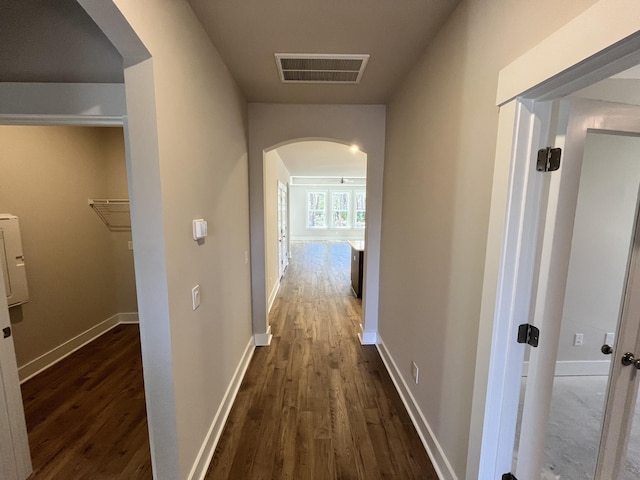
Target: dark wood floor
316	404
86	415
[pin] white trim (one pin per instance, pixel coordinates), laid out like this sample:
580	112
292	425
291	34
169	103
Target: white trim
367	338
73	120
263	339
64	100
437	456
577	368
201	464
127	318
53	356
577	46
273	295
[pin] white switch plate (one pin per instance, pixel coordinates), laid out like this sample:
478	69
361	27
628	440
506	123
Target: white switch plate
195	296
199	228
130	245
578	340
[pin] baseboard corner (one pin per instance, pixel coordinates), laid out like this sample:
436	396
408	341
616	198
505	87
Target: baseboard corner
263	339
367	338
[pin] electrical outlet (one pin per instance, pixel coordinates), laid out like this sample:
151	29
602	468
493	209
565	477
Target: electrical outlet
578	339
608	338
414	371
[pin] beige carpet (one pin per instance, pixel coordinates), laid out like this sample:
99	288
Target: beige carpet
573	432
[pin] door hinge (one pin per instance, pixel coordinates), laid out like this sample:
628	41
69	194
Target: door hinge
548	159
528	334
509	476
6	332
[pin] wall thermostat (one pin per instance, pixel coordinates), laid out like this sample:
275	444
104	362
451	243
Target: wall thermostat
199	228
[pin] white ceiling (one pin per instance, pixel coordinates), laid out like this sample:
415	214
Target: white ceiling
248	33
319	159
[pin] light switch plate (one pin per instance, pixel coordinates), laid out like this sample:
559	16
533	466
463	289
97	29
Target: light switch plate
199	228
195	296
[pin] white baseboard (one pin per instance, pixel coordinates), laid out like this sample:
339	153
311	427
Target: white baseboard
38	365
263	339
274	294
432	446
577	368
201	464
367	338
127	318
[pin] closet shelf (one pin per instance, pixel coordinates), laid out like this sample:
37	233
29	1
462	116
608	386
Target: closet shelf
113	212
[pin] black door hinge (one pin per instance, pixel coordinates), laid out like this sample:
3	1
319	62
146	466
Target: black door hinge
548	159
6	332
509	476
528	334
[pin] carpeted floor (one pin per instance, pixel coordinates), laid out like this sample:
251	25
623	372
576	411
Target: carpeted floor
573	433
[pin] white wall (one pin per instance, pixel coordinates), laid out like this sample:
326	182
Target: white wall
441	134
298	208
187	158
600	248
273	125
274	172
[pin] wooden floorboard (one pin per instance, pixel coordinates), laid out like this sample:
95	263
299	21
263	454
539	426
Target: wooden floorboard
86	415
316	404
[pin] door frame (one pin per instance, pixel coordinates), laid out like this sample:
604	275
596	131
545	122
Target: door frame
283	256
604	40
577	117
15	455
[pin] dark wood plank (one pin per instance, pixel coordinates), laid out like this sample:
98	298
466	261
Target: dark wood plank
316	404
86	415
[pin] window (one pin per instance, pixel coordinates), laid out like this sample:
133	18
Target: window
360	209
340	203
316	210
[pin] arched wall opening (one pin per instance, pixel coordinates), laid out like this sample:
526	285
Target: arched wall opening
275	125
307	173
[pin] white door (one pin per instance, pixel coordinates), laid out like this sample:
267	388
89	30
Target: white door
15	458
578	401
283	227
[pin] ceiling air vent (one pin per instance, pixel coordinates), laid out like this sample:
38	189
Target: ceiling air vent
317	68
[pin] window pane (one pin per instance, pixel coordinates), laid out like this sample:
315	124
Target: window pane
316	200
340	201
316	219
360	209
341	219
316	215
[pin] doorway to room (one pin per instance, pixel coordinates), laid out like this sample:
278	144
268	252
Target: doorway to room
314	192
537	249
75	335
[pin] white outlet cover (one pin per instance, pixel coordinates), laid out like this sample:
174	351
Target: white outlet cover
609	338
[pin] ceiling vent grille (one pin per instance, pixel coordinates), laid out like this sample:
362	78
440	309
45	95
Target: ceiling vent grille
316	68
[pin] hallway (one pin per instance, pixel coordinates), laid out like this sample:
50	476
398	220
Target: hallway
316	404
